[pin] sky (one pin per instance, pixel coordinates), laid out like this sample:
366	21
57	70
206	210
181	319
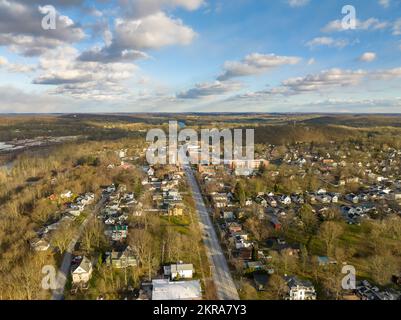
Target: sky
200	56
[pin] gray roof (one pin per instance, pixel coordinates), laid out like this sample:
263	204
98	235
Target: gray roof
293	281
179	290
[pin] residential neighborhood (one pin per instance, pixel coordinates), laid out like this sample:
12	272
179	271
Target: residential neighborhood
284	226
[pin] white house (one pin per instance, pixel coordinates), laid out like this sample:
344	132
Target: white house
352	198
179	271
248	202
40	245
66	194
111	188
334	198
323	198
151	172
82	272
286	200
300	289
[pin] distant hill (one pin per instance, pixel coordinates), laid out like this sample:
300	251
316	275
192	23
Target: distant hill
357	120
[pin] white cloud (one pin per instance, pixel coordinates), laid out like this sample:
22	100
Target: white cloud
369	24
384	3
204	90
152	32
82	79
254	64
15	100
327	41
142	8
324	80
15	67
368	57
132	37
297	3
21	30
397	27
387	74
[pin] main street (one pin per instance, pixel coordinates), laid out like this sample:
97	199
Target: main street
61	279
223	281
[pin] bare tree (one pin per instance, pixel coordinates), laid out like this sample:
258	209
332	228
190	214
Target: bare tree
329	232
278	285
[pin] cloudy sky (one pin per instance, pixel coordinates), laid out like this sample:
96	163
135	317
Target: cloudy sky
199	56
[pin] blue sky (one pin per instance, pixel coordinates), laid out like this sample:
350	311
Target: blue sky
200	56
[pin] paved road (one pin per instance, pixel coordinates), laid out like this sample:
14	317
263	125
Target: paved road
62	274
223	281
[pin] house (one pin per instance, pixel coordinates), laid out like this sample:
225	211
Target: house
300	289
328	161
39	245
82	272
85	199
352	198
248	202
296	198
254	265
76	209
243	254
175	209
179	271
164	289
275	222
122	259
241	241
334	197
323	198
234	227
206	169
119	232
324	261
220	200
110	189
150	172
227	215
262	201
66	194
248	164
352	180
367	291
312	198
285	200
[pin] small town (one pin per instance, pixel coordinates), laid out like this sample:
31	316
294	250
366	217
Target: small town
285	231
200	158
